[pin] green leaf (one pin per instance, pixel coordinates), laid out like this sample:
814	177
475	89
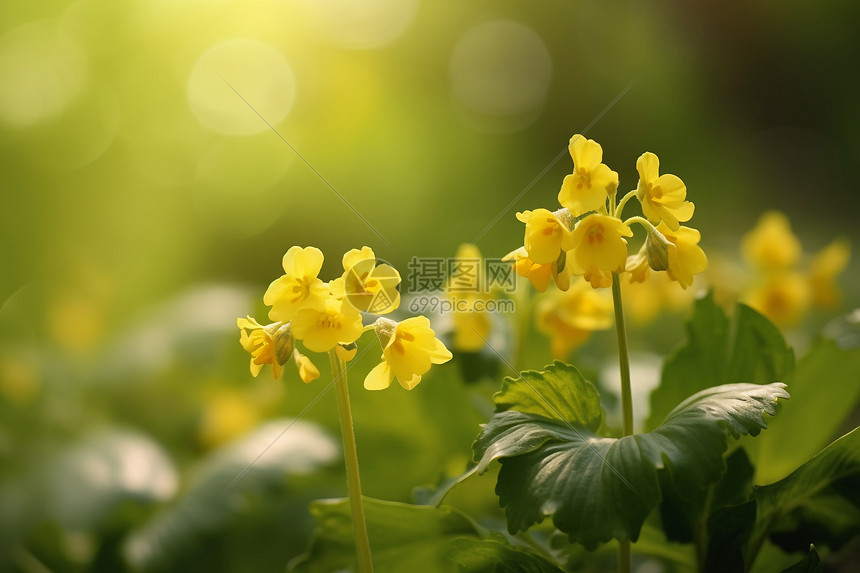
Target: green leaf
681	515
807	495
719	350
600	488
559	391
424	495
729	529
408	538
825	372
490	556
809	564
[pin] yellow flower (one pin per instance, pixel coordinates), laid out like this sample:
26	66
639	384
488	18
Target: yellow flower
826	265
538	274
591	182
568	318
320	330
267	344
599	248
545	235
686	257
771	246
299	287
662	196
368	286
783	298
307	371
409	349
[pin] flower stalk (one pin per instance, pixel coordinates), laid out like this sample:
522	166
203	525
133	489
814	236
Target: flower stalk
624	553
350	454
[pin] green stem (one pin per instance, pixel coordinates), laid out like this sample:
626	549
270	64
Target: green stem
623	358
350	453
620	208
644	222
624	552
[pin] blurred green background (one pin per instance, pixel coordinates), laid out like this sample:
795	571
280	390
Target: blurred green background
145	205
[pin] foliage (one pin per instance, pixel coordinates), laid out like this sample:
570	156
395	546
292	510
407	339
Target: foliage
407	538
598	488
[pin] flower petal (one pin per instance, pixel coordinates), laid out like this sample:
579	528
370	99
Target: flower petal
380	377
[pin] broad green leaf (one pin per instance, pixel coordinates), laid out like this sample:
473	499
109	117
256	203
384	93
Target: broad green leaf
600	488
833	471
407	538
825	388
680	515
729	529
719	350
559	391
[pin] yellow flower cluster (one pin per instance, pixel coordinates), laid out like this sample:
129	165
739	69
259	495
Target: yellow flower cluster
327	317
784	291
587	237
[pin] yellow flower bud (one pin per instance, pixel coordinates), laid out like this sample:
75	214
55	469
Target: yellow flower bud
657	251
266	344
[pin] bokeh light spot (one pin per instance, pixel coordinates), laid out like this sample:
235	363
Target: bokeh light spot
41	73
362	25
500	74
257	71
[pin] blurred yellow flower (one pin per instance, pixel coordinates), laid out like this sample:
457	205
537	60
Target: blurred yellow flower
599	248
409	348
591	182
644	301
368	286
471	328
771	246
227	414
686	257
825	266
568	318
19	378
545	235
299	287
783	298
260	342
469	293
662	196
321	329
